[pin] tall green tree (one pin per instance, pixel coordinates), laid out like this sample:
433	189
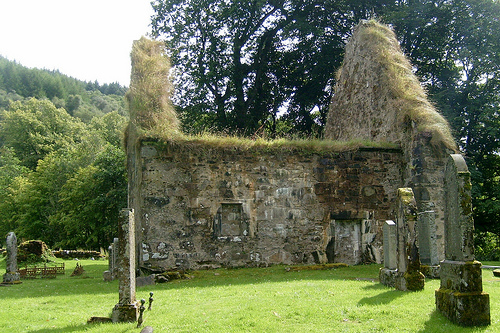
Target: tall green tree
238	63
36	127
102	186
59	177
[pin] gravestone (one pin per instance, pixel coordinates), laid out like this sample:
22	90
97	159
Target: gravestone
390	244
110	274
460	296
427	241
126	310
114	251
12	273
402	269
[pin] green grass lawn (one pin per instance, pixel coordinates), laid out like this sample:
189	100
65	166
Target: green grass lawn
235	300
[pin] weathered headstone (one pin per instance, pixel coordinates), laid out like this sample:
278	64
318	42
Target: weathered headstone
126	310
404	248
110	274
460	297
390	245
427	242
113	257
12	273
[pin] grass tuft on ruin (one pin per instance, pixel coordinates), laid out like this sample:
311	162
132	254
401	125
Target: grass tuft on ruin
151	89
376	83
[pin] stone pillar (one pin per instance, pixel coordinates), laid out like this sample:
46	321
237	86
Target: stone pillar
460	296
12	273
126	310
407	275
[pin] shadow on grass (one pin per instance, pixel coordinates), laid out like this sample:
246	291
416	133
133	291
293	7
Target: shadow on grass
72	328
386	295
81	328
439	323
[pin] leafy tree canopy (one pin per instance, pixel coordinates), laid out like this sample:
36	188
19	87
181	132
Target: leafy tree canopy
268	67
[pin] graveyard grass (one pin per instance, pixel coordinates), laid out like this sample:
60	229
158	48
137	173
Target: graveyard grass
235	300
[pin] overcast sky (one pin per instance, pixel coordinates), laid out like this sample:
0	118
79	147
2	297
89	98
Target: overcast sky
86	39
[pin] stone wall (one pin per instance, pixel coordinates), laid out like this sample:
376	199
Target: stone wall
198	205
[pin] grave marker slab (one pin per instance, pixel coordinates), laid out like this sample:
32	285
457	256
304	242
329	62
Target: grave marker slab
402	269
460	296
11	275
126	310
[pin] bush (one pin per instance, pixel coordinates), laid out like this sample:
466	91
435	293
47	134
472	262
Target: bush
486	246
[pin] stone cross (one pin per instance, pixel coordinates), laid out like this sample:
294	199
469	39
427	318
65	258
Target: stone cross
460	297
12	272
126	310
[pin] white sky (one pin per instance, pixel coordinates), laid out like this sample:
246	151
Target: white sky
86	39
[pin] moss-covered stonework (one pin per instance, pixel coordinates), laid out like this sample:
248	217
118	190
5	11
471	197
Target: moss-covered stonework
461	276
464	308
460	296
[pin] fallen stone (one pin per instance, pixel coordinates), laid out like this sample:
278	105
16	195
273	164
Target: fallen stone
147	329
107	276
145	280
496	272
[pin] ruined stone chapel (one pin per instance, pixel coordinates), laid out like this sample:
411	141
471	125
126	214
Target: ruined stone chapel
217	202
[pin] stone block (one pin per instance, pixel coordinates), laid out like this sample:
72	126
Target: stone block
465	309
107	276
125	313
387	277
145	280
461	276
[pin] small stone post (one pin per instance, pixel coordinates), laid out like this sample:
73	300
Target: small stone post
12	273
126	310
460	296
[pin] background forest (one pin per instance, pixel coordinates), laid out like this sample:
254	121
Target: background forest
262	68
62	166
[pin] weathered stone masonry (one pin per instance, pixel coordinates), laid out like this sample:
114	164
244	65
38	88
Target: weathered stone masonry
205	206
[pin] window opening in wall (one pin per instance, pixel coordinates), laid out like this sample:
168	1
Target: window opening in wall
231	220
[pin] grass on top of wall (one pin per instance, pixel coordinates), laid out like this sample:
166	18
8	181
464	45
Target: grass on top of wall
265	145
235	300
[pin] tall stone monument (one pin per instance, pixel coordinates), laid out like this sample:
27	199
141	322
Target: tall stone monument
12	273
460	296
402	260
126	310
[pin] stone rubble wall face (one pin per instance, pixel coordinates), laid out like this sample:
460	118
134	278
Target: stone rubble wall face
210	207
